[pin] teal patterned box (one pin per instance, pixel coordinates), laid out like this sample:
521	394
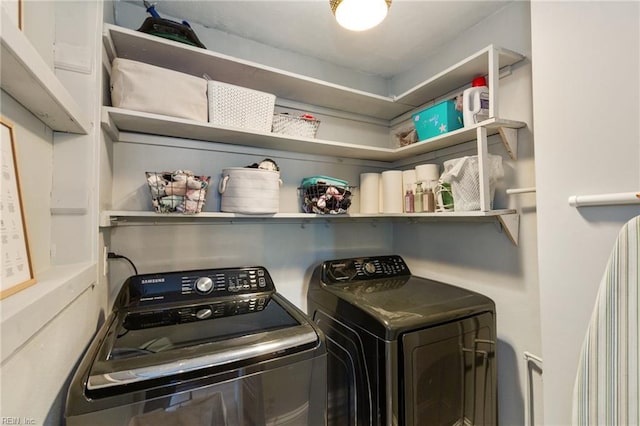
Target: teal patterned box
437	120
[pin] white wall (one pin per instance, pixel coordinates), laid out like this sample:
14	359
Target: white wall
479	257
286	248
508	28
586	107
132	15
54	168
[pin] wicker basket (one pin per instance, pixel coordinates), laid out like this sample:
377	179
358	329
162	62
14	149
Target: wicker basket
235	106
303	126
177	192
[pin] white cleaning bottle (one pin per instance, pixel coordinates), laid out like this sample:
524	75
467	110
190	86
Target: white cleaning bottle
475	102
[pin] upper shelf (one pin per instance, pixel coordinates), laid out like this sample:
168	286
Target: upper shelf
117	119
129	44
26	77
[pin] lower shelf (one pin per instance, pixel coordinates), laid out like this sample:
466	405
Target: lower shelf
508	220
25	313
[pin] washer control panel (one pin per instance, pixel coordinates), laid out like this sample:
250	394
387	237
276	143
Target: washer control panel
363	268
184	314
151	289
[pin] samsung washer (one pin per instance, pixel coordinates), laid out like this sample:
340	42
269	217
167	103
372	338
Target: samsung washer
206	347
403	350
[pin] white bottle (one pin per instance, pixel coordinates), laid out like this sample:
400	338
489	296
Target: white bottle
475	102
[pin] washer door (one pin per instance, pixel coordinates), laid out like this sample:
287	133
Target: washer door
133	353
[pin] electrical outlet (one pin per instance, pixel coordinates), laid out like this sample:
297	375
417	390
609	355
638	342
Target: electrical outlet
105	261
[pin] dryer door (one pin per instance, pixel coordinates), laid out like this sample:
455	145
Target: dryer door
450	374
353	380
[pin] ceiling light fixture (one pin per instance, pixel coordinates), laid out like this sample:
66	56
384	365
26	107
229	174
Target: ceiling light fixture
359	15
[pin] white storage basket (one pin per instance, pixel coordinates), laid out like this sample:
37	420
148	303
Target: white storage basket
235	106
463	174
249	191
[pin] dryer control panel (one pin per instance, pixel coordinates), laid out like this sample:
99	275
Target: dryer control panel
170	287
363	268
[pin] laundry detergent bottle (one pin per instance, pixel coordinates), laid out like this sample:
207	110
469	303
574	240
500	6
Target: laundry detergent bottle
475	102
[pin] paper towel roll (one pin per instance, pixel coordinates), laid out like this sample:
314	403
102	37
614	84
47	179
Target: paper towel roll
392	195
380	197
409	180
427	173
370	193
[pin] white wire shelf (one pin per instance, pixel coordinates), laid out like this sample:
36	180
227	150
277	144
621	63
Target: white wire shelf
508	219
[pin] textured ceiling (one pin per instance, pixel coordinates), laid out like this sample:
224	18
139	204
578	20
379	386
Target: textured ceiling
412	30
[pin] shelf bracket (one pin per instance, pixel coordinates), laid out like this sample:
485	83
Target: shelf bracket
510	223
483	161
510	140
494	76
107	220
109	126
108	45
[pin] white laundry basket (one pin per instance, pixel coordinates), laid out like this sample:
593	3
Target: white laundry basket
249	191
464	177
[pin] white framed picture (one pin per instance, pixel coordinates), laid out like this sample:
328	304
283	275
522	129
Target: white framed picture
14	8
17	271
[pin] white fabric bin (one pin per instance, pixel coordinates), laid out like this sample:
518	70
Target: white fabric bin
249	191
142	87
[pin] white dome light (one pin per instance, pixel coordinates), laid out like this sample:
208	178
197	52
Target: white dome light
360	15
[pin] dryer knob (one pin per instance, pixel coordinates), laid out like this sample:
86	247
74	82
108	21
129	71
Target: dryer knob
204	313
204	285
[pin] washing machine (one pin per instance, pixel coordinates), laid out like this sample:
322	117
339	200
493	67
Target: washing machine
401	349
205	347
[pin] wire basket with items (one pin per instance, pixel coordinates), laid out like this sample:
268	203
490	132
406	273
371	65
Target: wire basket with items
303	126
325	195
180	191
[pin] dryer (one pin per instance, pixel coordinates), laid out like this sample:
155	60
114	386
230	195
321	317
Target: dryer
403	350
202	348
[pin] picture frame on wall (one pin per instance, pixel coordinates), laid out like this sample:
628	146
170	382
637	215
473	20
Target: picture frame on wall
17	270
